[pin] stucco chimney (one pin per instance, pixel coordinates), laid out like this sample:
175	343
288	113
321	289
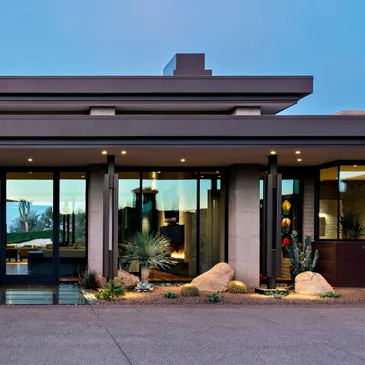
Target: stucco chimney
187	64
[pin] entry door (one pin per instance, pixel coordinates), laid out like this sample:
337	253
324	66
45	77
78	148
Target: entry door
30	252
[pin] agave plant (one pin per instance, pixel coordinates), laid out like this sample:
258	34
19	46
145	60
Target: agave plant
149	250
347	222
143	286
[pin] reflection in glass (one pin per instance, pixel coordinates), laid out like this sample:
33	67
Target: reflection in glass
29	221
129	216
211	220
72	223
169	207
352	202
328	203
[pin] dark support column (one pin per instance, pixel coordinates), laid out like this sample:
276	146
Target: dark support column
272	223
110	221
56	225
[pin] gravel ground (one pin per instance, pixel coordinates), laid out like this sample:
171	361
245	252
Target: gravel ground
349	296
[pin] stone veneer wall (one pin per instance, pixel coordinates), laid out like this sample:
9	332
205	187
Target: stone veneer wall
244	223
95	218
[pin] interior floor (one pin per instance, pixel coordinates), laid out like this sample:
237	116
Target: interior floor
42	294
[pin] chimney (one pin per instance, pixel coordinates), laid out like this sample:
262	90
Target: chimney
187	64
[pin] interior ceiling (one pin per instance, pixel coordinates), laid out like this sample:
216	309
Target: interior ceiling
171	155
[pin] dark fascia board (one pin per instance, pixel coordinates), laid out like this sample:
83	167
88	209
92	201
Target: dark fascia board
190	127
119	85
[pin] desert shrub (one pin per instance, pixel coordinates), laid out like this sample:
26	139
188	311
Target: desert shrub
189	290
330	294
170	295
87	278
110	291
214	297
237	287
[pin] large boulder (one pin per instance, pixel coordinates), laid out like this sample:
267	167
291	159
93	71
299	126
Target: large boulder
126	279
216	279
311	283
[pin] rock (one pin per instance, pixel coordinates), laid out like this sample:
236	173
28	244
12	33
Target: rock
216	279
311	283
100	280
130	281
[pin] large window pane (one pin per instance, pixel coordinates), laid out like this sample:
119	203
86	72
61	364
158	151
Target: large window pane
72	223
352	202
29	222
328	203
212	213
169	207
129	214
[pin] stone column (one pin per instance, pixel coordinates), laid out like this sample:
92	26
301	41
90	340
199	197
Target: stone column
308	207
244	223
95	218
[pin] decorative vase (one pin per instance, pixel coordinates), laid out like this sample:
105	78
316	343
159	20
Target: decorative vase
285	267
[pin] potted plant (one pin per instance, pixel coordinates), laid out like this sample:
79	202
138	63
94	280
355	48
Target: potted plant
350	226
149	250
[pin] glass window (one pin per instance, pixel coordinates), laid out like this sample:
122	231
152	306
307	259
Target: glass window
29	222
328	203
212	213
72	223
129	215
352	202
169	204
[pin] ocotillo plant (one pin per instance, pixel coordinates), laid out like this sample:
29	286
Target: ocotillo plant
301	256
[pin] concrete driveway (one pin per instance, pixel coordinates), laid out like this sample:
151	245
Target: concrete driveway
116	335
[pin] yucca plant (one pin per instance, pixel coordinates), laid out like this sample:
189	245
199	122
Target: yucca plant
149	250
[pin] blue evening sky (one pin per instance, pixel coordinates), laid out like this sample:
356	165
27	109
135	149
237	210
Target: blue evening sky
324	38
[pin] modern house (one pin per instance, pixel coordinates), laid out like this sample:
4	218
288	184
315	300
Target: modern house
86	161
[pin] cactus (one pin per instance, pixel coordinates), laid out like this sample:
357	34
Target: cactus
189	290
170	295
214	297
143	286
237	287
301	256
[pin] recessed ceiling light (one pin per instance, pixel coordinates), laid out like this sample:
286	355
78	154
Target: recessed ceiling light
30	160
159	172
202	176
299	160
82	176
219	176
355	165
217	172
104	152
124	152
183	160
273	152
30	172
298	152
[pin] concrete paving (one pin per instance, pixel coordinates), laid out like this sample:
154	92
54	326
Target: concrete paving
117	335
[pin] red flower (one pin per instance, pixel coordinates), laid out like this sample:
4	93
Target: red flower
286	242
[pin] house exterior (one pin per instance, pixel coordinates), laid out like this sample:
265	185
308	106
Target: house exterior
87	161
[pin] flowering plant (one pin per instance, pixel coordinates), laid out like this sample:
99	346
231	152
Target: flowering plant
285	223
286	242
286	207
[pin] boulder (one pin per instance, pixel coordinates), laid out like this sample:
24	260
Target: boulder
216	279
130	281
100	280
311	283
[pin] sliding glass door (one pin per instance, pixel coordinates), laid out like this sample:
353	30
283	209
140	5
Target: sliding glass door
29	250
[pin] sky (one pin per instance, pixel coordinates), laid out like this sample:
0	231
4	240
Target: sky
323	38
